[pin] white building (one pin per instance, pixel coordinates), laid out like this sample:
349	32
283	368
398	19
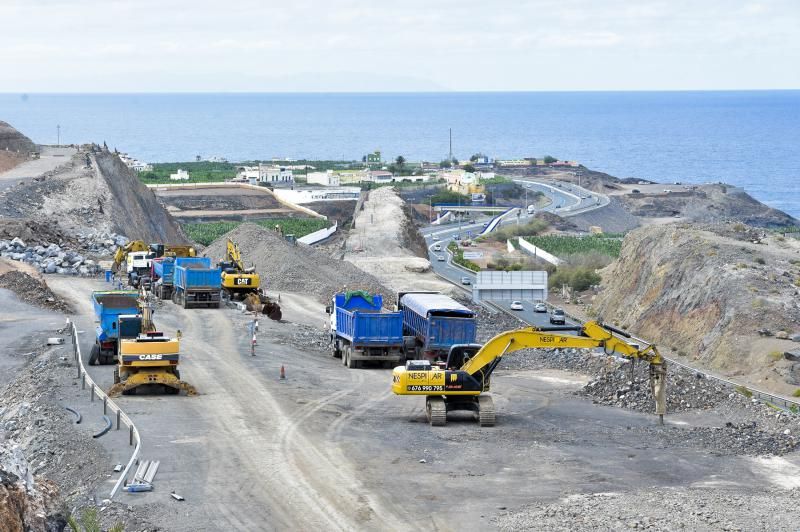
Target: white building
328	179
264	173
381	176
180	175
274	175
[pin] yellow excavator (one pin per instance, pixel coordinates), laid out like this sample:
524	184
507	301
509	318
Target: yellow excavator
122	252
237	281
145	356
244	283
463	382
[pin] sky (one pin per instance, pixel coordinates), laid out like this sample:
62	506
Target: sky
413	45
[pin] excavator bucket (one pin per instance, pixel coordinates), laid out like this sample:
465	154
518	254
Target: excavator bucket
658	385
272	310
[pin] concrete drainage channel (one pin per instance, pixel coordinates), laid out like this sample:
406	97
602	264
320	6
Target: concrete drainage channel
108	406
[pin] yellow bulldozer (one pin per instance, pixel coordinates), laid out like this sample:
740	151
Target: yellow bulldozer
146	357
243	283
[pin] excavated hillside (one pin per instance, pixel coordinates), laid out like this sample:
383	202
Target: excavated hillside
13	140
104	197
134	208
726	296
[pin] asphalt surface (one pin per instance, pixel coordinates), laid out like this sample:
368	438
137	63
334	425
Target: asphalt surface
565	200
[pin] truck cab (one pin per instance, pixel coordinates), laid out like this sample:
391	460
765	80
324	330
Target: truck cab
138	266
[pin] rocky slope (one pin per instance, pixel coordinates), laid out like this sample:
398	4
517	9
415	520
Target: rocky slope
13	140
724	295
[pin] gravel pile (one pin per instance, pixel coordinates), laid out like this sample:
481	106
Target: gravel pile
295	268
55	258
662	509
33	291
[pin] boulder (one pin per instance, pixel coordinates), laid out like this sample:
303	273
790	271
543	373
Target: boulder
18	242
50	267
783	335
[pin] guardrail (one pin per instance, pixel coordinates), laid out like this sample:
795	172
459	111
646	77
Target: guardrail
108	405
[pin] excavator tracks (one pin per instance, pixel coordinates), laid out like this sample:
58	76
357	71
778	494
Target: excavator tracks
485	411
436	410
122	388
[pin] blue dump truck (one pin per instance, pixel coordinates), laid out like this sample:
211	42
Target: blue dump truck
434	322
196	283
362	331
162	277
108	307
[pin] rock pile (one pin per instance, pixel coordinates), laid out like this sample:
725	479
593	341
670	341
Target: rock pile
32	290
661	509
285	267
54	258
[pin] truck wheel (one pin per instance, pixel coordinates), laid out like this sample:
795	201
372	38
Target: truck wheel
94	355
352	364
345	350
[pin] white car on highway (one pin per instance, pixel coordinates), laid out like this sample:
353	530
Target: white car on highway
440	258
437	247
516	305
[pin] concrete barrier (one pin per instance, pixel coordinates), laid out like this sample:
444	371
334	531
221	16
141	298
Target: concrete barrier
538	252
318	236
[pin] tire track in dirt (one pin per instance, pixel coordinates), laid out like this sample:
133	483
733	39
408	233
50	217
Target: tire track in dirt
280	468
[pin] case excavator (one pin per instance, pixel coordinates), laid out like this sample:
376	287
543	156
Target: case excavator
463	382
243	283
146	357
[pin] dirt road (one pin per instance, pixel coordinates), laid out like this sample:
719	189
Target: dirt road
332	448
51	158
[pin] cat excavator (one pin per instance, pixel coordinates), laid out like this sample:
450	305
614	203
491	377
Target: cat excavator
465	378
244	283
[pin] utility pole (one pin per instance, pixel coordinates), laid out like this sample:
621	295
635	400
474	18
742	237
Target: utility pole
58	134
451	145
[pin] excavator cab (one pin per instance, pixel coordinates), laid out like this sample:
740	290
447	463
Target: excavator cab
460	353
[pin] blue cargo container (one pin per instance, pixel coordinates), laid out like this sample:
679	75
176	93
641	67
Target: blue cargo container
108	306
437	322
163	276
361	330
196	283
204	262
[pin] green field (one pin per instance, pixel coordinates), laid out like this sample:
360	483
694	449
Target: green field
206	232
199	172
562	246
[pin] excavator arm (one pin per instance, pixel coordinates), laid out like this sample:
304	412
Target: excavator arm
469	367
122	252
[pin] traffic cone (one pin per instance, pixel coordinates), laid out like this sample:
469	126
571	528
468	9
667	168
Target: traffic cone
283	372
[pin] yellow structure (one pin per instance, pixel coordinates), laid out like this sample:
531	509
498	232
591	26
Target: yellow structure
463	382
237	280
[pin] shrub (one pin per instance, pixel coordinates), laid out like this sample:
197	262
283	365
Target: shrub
775	355
578	278
744	391
796	393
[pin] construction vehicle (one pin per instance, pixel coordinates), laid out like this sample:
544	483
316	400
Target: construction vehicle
196	283
362	331
108	306
465	378
162	277
138	258
146	357
237	281
243	283
433	322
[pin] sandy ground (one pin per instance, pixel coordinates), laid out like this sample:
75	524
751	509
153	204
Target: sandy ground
51	158
375	246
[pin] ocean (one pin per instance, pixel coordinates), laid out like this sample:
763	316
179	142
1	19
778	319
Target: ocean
747	139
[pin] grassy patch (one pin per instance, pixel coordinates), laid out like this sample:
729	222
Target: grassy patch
744	391
561	246
206	232
199	172
506	232
775	355
458	257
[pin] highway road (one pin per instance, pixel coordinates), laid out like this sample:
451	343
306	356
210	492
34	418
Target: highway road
566	199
